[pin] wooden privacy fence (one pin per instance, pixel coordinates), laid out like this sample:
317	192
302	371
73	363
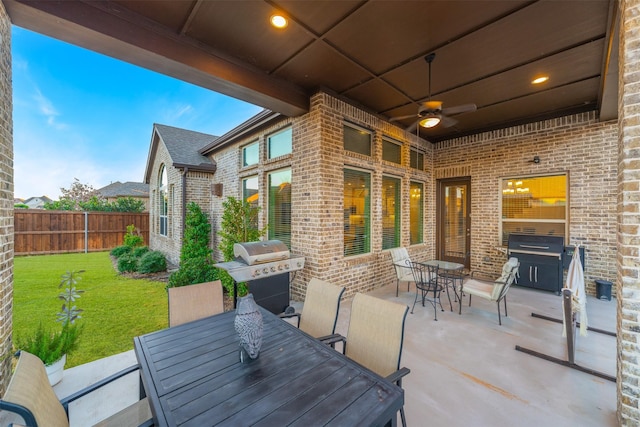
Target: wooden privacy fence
50	232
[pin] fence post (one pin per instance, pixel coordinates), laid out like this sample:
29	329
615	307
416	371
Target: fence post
86	232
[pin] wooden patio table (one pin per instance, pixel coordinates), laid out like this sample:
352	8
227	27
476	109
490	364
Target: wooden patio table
193	376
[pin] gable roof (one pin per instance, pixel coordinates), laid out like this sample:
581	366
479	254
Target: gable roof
126	189
183	147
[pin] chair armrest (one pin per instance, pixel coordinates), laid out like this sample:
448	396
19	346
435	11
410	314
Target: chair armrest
479	277
28	417
397	376
333	339
77	395
288	316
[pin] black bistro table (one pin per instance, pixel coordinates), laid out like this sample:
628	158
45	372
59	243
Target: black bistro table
193	377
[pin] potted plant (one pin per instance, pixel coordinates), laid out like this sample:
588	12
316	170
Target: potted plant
52	347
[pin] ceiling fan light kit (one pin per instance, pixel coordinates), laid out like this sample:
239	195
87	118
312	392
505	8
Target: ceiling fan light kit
431	113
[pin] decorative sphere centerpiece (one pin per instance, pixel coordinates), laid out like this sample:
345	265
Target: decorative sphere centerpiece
249	325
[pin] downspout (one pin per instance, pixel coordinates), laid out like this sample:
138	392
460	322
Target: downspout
184	198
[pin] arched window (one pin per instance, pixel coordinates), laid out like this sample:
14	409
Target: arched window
163	205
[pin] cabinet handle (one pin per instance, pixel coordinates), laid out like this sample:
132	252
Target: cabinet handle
536	274
530	278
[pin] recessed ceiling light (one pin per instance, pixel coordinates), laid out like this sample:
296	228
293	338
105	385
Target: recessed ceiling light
539	80
279	21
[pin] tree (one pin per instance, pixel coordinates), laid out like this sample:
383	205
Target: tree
78	192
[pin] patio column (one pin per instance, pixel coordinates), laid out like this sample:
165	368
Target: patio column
628	265
6	200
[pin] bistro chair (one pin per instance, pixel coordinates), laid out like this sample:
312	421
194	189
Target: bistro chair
492	290
32	397
402	265
193	302
320	311
375	337
427	282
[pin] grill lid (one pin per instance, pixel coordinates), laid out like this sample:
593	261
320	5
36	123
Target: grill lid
261	252
536	244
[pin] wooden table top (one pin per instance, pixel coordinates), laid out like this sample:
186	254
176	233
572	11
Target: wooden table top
193	377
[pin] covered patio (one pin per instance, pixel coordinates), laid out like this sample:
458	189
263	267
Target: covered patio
464	368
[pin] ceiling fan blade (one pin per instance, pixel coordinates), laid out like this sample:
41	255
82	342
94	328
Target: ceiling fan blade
412	127
393	119
447	122
458	109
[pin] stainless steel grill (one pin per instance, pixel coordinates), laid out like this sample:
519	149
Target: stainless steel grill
257	260
265	266
540	260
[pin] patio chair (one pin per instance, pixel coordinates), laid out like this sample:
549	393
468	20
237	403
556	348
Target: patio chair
427	282
375	337
320	311
492	290
193	302
32	397
402	265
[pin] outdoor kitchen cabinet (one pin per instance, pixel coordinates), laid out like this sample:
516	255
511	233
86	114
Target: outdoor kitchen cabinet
540	272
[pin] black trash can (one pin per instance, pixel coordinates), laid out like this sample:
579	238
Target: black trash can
603	289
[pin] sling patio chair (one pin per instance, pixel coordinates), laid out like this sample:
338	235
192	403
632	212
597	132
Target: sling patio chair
193	302
320	310
492	290
402	264
375	337
30	396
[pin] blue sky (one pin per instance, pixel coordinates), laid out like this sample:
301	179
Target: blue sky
80	114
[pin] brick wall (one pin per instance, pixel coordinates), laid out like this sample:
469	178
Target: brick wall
628	209
317	162
6	200
197	189
577	144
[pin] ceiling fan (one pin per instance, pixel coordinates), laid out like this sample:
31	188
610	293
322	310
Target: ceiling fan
431	113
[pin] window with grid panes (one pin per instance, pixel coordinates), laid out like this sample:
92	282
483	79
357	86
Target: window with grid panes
280	143
163	202
534	205
390	212
250	154
415	212
250	194
391	151
357	140
279	208
416	159
357	212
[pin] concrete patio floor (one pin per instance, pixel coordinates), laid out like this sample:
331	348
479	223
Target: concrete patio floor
465	370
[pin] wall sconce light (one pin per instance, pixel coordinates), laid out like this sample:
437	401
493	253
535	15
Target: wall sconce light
536	160
216	190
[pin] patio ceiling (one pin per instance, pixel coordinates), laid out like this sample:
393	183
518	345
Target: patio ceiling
369	52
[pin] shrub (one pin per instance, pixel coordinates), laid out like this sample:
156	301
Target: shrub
127	263
132	237
120	250
152	262
140	251
197	270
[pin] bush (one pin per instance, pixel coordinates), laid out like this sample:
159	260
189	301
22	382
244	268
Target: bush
140	251
152	262
120	250
197	270
127	263
132	237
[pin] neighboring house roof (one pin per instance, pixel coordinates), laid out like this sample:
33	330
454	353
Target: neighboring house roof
124	189
37	202
183	146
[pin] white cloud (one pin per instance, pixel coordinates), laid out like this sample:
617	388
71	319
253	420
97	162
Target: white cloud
46	108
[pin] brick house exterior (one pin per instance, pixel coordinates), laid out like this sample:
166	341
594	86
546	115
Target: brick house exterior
579	145
189	176
608	225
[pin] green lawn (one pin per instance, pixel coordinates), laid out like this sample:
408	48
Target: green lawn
116	308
